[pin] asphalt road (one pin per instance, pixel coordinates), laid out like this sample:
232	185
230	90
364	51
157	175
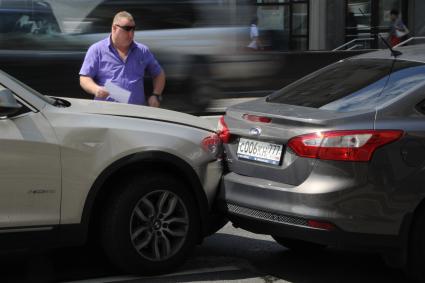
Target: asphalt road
231	255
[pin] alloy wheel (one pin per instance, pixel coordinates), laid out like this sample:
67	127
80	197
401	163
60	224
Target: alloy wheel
159	225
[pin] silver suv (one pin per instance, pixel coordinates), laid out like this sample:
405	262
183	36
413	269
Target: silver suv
140	180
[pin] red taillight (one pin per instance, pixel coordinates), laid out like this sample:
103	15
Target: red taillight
223	130
212	144
355	145
255	118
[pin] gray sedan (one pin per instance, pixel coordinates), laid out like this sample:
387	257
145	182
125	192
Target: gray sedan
335	159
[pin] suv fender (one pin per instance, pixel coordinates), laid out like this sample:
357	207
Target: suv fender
100	189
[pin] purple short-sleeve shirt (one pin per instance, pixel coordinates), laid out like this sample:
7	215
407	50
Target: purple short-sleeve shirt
102	63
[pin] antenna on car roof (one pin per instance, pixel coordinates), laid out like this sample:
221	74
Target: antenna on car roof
395	53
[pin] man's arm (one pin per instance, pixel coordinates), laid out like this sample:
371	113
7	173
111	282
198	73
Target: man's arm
158	86
91	87
159	83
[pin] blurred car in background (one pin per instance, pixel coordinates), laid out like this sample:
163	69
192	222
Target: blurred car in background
47	40
200	44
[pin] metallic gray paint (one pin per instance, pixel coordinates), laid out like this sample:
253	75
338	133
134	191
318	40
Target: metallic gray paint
373	198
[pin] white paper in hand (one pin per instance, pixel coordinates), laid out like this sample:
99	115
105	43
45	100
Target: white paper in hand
117	93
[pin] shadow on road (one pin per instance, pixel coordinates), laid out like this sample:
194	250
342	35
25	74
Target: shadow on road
228	255
56	265
264	256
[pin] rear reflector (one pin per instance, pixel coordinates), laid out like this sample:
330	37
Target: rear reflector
354	145
320	225
223	130
255	118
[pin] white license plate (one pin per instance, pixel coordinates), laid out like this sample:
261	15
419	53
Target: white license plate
259	151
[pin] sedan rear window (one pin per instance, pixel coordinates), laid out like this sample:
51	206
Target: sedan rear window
350	85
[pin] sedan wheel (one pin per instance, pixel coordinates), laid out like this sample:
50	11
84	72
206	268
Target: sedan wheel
151	225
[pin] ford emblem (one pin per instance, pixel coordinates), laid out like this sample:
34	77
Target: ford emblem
255	132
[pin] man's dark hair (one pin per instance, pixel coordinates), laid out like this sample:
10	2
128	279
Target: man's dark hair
394	12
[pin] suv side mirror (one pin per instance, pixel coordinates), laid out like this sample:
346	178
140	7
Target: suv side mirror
8	103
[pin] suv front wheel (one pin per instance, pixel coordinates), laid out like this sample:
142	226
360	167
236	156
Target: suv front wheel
151	225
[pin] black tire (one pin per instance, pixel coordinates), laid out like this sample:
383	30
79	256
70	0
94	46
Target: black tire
156	213
217	221
297	245
416	255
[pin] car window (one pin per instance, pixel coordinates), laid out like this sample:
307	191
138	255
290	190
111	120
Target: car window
335	82
24	108
149	15
29	89
354	85
24	17
38	17
55	25
404	76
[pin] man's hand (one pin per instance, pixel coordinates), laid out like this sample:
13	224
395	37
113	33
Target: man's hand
90	86
153	101
101	92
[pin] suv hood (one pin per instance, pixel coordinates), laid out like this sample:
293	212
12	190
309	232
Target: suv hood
136	111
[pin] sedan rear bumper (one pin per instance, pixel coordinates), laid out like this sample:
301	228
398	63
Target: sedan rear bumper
335	238
285	211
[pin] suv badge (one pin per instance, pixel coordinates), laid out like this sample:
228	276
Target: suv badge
255	132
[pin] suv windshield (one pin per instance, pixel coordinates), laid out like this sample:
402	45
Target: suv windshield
350	85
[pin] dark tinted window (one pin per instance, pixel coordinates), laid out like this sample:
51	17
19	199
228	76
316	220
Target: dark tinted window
159	14
404	76
353	85
335	82
55	25
27	17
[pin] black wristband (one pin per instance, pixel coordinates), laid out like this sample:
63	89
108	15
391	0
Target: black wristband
158	96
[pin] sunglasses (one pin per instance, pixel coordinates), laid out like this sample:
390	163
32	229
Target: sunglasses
127	28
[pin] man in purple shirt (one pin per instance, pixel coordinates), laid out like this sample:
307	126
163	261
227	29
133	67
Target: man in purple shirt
123	62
